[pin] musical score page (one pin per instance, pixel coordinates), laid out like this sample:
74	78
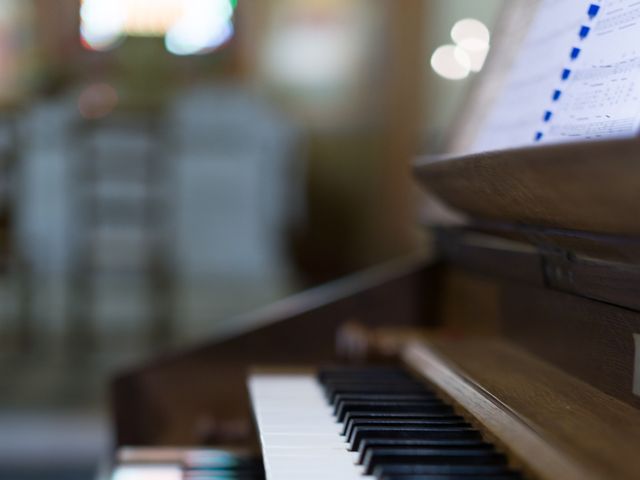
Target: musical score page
577	77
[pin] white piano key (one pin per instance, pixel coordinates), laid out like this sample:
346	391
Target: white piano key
299	435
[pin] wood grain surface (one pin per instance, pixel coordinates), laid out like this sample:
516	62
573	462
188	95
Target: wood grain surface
589	186
590	340
557	426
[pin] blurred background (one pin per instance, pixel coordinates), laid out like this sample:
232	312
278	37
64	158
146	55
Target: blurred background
165	164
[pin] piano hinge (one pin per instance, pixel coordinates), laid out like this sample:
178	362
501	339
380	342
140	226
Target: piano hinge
558	268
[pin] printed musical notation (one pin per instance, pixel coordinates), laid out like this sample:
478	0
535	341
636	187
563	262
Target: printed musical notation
595	90
618	17
604	71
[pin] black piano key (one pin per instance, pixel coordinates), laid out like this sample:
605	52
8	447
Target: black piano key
428	407
359	415
420	456
402	429
463	444
381	405
372	383
325	375
371	379
367	378
378	396
352	419
346	370
416	433
360	432
350	397
388	386
406	470
400	423
331	392
397	378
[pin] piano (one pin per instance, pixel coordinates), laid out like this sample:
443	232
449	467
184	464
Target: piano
511	352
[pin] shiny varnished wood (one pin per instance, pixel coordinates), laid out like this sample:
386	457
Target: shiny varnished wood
555	425
586	186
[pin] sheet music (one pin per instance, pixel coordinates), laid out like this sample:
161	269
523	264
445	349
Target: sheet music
577	77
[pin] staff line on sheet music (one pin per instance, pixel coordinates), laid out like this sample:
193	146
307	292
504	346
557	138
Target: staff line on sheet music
612	22
597	72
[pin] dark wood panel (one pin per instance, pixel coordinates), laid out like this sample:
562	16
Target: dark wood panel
469	303
614	283
614	248
586	338
544	264
579	314
491	255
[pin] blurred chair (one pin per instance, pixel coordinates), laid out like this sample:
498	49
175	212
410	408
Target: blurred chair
122	252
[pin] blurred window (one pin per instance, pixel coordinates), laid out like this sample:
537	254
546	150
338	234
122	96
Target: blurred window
188	26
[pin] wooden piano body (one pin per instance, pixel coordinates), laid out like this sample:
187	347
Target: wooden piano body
526	315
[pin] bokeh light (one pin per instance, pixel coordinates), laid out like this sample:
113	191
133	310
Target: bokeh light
97	101
204	26
151	18
451	62
311	56
189	26
468	54
102	23
473	36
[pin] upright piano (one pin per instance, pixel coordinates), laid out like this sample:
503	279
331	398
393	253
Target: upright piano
510	352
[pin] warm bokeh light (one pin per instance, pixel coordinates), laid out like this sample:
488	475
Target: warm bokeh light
151	17
97	100
451	62
190	26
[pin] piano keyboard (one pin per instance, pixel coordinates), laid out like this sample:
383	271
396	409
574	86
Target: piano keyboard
366	423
